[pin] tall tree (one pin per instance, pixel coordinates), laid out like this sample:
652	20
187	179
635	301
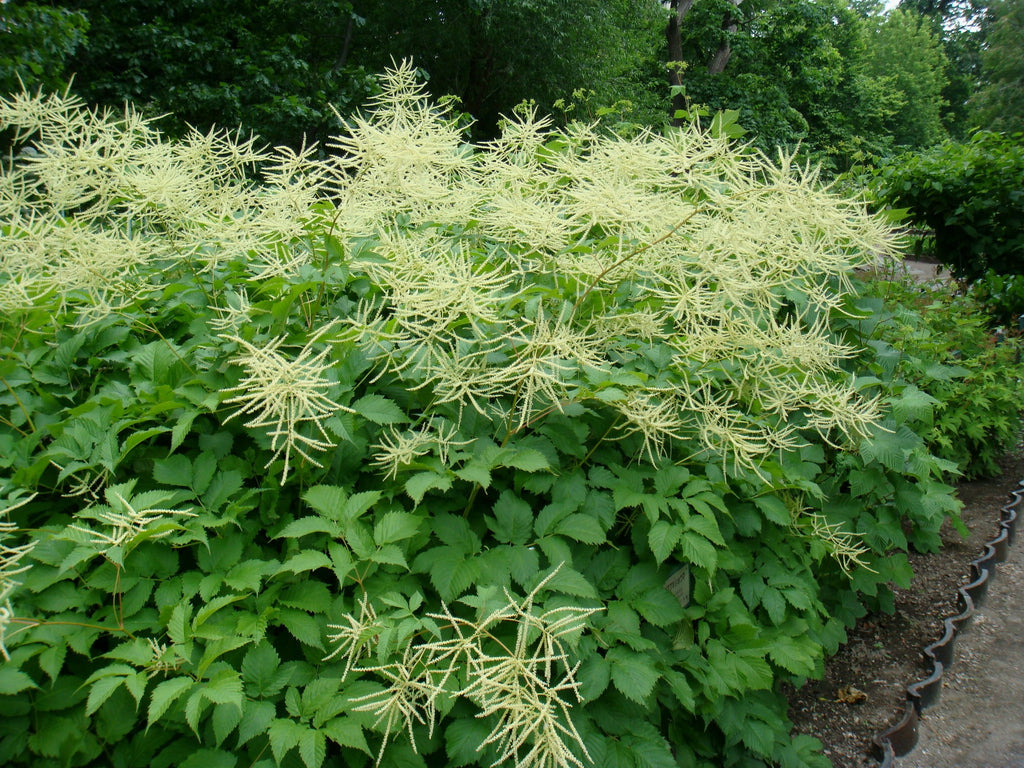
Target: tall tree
999	104
904	46
959	24
493	55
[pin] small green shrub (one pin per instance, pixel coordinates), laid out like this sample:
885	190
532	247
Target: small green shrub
945	348
970	194
389	458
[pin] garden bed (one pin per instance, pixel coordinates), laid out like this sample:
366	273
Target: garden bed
863	691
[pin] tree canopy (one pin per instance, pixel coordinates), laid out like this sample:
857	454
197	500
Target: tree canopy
836	77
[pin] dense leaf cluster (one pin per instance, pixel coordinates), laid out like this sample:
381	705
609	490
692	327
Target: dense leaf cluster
970	194
562	451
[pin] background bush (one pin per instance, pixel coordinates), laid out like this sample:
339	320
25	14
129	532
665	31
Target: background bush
970	194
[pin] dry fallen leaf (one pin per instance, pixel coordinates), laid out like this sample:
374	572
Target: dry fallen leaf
850	695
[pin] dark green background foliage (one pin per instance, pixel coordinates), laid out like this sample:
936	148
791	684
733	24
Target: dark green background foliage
845	79
971	194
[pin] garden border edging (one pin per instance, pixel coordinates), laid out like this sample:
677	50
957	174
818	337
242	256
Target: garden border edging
900	739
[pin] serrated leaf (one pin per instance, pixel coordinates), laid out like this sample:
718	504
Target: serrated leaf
475	472
256	718
663	538
246	576
100	691
309	560
302	626
181	428
307	525
463	739
581	527
165	694
418	485
395	526
226	718
346	732
194	707
259	668
571	582
632	674
284	736
513	519
789	654
379	410
174	470
313	748
527	460
358	504
225	687
593	676
453	574
699	551
328	500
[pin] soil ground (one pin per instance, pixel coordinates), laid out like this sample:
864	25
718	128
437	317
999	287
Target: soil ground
979	721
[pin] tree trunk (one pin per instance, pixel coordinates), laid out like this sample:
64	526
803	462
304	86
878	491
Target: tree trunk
675	54
721	58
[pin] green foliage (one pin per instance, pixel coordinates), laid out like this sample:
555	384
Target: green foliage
999	104
274	68
35	42
1001	298
970	194
964	376
903	49
388	458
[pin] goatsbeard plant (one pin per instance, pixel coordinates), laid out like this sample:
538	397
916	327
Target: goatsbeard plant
405	438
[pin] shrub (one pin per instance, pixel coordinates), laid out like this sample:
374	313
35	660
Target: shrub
970	194
944	348
389	458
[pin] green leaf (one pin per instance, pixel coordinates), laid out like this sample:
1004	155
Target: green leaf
395	526
379	410
302	626
307	525
100	691
209	758
418	485
284	736
256	718
632	674
259	670
594	676
571	582
225	687
663	538
358	504
309	560
513	519
581	527
453	573
226	718
313	748
463	739
164	694
527	460
174	470
791	655
346	732
13	681
328	500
